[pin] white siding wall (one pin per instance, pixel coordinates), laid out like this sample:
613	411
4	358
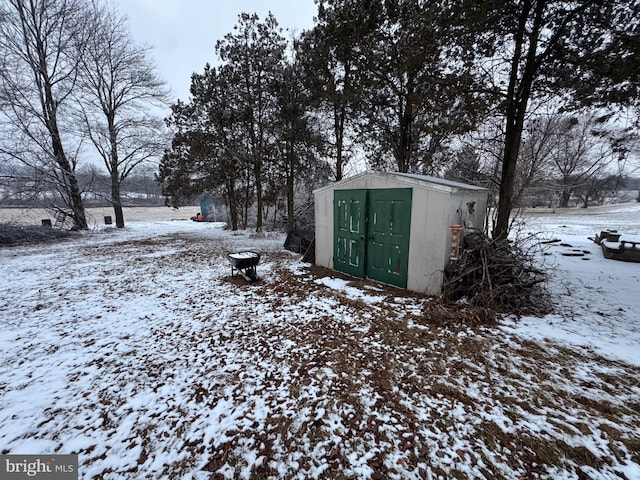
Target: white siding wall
428	241
324	228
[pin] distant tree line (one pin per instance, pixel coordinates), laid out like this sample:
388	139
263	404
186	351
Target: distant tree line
26	189
564	159
74	86
517	95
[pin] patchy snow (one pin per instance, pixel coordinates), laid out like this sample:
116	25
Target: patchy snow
135	349
342	286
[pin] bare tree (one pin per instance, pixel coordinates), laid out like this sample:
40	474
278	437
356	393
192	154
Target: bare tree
531	184
577	154
42	42
574	53
119	87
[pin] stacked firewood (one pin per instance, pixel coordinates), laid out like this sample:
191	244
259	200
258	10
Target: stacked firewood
496	274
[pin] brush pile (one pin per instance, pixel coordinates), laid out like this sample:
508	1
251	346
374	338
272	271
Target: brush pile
499	275
13	233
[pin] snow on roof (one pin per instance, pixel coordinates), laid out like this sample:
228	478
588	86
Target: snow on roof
412	178
439	181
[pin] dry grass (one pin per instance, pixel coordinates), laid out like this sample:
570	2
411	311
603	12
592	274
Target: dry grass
525	368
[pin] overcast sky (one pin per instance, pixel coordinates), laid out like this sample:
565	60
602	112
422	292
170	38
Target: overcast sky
183	33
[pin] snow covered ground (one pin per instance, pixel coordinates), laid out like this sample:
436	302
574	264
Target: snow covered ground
598	300
136	350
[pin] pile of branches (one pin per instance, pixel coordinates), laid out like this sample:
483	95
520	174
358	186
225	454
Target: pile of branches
12	234
499	275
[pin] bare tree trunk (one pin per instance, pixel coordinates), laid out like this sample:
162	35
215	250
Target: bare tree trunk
76	204
517	99
405	123
34	35
257	172
339	118
114	171
232	202
291	167
73	197
565	196
247	196
116	201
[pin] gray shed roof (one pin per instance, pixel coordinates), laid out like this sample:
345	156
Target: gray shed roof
410	178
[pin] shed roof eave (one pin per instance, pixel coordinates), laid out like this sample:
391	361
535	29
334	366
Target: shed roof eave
409	178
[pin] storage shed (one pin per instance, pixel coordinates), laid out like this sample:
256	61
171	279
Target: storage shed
394	227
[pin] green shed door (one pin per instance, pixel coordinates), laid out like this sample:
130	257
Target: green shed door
349	210
389	226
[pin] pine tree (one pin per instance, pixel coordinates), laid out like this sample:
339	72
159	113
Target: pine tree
254	55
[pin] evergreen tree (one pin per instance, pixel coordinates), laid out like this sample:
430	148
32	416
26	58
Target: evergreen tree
208	151
384	70
332	53
296	142
418	98
254	55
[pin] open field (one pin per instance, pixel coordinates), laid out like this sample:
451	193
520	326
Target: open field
136	349
95	216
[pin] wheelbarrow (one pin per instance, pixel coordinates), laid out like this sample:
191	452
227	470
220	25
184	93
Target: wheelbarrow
245	264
